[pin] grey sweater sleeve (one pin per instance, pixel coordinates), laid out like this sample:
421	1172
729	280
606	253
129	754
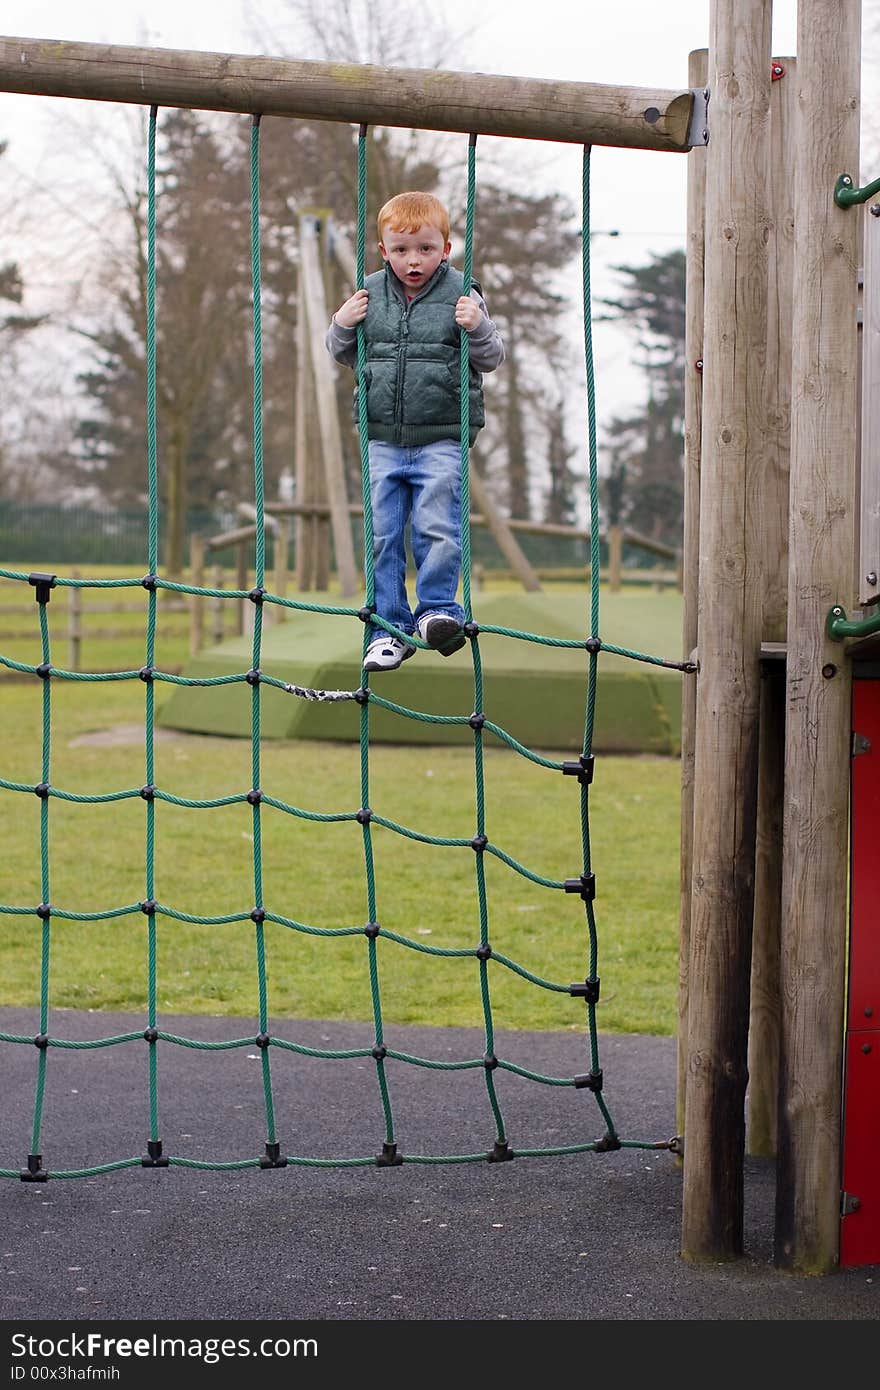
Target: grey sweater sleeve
342	343
485	345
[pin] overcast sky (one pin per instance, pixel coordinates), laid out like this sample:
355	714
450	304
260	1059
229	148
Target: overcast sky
630	42
640	195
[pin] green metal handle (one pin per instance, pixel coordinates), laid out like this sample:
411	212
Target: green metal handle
845	195
838	625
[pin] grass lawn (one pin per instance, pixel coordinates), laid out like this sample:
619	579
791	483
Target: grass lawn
313	872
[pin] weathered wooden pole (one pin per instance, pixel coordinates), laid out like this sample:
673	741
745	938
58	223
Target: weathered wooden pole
698	76
318	317
726	729
615	556
302	396
502	534
818	681
196	601
764	1022
74	623
217	602
531	108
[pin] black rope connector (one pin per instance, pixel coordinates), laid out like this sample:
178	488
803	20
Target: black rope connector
366	613
477	720
471	629
585	989
34	1172
609	1143
253	676
389	1157
148	907
43	583
151	1035
483	952
262	1040
44	670
148	792
41	790
364	816
154	1157
149	581
272	1157
591	1081
44	911
362	696
593	645
146	674
41	1041
582	769
479	843
380	1052
585	885
490	1061
258	914
256	595
254	796
501	1153
372	930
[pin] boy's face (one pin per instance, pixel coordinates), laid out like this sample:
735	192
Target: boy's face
414	256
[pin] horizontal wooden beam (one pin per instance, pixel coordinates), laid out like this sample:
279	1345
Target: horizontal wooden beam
529	108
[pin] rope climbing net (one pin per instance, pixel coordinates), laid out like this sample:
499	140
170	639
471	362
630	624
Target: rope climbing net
257	916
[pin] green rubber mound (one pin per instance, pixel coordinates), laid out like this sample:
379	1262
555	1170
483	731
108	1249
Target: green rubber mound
537	693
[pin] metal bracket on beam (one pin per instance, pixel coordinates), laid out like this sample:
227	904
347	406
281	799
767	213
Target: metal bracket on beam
698	130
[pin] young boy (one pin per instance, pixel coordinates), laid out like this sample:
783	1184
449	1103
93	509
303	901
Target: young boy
413	312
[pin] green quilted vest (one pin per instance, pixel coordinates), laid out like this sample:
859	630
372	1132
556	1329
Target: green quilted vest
414	361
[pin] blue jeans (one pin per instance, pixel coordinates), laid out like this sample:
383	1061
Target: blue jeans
419	484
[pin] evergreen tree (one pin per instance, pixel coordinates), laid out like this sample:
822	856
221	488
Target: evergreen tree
522	240
15	325
203	336
645	486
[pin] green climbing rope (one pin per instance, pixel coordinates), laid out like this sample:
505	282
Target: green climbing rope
479	844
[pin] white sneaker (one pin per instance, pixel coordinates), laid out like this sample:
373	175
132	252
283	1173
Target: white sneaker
386	653
442	632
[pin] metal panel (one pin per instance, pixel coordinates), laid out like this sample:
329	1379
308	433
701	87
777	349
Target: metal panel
869	547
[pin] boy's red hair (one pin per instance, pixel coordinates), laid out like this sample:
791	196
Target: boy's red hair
406	212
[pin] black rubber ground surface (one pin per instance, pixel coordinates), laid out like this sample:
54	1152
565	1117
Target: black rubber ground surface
586	1236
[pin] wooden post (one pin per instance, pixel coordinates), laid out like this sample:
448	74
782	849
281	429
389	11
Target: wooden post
764	1022
196	601
280	577
531	108
74	623
698	76
217	609
818	680
726	732
320	521
302	458
241	582
318	317
615	557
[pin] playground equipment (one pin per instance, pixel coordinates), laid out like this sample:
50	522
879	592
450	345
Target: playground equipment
770	552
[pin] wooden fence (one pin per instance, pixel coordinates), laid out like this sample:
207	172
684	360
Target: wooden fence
80	605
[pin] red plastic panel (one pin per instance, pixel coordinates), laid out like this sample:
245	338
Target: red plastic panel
860	1228
860	1224
864	963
